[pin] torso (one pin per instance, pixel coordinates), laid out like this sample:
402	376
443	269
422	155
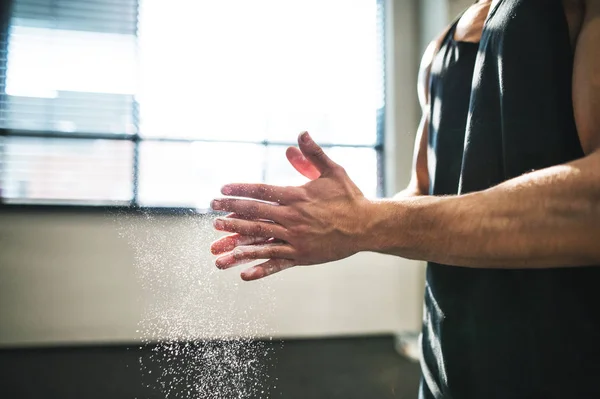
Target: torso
450	90
507	333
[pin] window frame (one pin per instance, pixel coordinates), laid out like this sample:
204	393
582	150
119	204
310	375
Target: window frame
136	139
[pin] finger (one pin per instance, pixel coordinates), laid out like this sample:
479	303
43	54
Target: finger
248	253
263	192
245	208
315	154
301	164
225	264
229	242
236	216
267	268
251	228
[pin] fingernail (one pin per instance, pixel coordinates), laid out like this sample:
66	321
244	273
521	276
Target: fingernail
305	137
218	223
219	264
226	190
216	205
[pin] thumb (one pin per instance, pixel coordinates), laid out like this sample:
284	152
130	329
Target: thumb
315	154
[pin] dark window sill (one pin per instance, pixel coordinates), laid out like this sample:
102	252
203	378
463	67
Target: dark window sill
107	210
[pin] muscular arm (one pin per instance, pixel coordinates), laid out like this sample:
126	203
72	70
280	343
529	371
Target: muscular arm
544	219
548	218
419	180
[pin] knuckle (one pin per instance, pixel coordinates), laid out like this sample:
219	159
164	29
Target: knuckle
237	254
301	229
290	215
230	205
319	153
291	233
295	235
300	249
226	224
339	170
302	195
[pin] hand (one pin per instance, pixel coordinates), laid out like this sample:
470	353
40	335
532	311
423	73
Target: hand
304	167
315	223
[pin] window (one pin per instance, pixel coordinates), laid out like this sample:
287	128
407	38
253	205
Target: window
158	103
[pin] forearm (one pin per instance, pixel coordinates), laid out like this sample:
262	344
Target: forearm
548	218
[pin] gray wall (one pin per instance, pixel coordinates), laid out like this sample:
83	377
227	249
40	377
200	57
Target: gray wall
76	278
455	7
434	15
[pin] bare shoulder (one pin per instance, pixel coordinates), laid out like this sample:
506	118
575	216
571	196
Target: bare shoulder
471	23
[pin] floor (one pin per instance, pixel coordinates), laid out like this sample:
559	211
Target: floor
348	368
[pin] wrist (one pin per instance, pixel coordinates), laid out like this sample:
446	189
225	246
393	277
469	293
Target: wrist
404	227
382	226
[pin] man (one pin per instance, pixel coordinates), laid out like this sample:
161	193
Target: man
504	204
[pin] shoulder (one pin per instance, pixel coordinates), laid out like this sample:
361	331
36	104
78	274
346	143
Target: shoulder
471	23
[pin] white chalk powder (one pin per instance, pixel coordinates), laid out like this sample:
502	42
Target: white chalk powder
186	299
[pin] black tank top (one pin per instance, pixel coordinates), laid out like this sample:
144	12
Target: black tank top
449	94
508	334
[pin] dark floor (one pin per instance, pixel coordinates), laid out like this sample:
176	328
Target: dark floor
365	368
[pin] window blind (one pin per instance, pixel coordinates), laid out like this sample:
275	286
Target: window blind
69	71
158	103
71	66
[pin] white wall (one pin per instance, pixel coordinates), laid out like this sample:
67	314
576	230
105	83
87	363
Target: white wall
68	277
